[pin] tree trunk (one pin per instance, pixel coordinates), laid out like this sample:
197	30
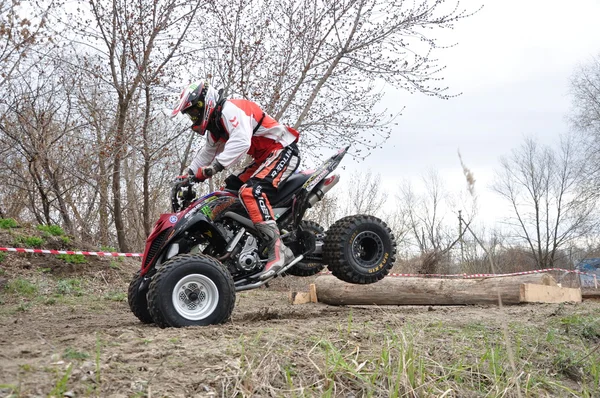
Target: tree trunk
421	291
146	169
116	183
103	202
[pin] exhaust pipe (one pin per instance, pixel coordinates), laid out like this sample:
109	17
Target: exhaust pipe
322	189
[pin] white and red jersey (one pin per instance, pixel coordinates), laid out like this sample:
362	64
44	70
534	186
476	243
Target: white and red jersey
239	118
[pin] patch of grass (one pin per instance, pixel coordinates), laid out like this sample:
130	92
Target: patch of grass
114	264
71	353
115	296
2	256
566	363
108	249
72	258
7	223
60	387
21	287
65	239
26	367
69	286
53	230
587	327
24	306
98	369
13	390
29	241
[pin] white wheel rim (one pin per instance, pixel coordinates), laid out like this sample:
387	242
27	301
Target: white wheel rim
195	297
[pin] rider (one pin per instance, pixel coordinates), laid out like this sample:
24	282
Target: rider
238	127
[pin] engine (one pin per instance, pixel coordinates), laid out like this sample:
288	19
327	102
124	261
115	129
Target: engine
245	258
248	259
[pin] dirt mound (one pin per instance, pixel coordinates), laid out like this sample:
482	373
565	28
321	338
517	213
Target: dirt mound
63	265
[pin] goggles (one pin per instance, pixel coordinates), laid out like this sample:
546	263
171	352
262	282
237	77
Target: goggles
195	112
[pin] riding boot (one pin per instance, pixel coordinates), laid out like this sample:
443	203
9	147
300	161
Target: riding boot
279	254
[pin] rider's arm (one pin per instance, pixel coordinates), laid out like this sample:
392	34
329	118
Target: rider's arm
239	127
207	154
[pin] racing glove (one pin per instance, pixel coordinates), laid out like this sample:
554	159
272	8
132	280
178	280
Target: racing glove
183	177
207	172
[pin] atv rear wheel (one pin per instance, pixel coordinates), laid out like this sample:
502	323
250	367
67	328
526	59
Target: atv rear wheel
191	290
138	303
359	249
308	268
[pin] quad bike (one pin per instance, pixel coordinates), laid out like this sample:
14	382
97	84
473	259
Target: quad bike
199	256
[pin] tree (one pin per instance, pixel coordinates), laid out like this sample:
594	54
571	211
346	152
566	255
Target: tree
319	65
543	186
585	92
364	194
37	127
426	220
138	41
20	35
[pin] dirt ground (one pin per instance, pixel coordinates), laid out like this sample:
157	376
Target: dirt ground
105	351
66	330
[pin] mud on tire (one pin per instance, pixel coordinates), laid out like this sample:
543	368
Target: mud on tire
191	290
359	249
308	268
138	303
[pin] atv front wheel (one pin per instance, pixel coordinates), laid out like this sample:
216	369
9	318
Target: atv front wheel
308	268
359	249
137	300
191	290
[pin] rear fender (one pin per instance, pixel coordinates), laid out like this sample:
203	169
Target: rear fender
316	182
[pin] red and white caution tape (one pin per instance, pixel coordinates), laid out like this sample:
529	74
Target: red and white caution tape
473	276
43	251
464	276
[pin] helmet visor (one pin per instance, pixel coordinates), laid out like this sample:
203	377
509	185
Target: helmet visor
194	112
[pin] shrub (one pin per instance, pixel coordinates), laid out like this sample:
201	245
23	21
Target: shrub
69	286
53	230
71	353
115	296
6	223
21	286
33	241
29	241
72	258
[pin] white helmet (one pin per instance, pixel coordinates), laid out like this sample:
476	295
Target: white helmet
197	101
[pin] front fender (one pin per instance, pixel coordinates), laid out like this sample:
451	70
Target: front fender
198	225
194	224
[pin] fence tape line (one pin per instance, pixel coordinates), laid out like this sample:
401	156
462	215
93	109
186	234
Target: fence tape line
43	251
474	276
465	276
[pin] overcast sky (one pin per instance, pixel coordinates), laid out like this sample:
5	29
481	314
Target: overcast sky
513	63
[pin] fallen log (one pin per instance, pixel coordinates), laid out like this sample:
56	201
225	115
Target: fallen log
428	291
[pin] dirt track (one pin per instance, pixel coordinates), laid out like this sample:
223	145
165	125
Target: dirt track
75	334
112	354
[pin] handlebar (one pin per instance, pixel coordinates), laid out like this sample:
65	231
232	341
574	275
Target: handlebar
182	194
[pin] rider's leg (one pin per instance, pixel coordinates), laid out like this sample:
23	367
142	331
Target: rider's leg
254	195
257	204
